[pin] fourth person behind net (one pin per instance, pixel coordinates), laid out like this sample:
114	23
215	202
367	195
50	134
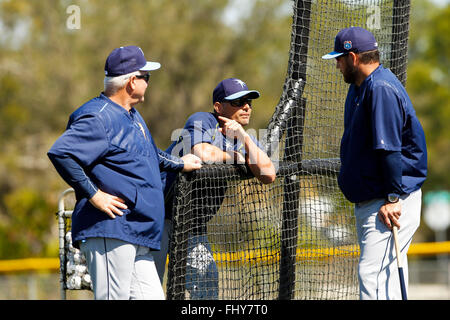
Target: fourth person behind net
383	161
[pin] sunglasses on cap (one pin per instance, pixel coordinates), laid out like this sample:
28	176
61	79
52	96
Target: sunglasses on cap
239	102
146	77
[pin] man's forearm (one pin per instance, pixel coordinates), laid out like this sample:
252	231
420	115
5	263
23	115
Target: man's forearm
211	154
392	171
169	162
258	161
74	175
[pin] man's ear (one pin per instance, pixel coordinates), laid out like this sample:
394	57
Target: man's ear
353	58
131	83
218	107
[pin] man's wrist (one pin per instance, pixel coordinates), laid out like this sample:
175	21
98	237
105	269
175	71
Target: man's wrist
243	136
392	198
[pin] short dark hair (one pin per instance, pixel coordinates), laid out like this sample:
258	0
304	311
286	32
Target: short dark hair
369	56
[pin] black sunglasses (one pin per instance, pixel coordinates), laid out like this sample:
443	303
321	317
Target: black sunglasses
146	77
240	102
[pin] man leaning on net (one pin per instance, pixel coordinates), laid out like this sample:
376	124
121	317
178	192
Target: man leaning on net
215	137
108	156
383	161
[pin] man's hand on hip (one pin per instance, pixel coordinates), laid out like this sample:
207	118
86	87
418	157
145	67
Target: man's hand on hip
108	203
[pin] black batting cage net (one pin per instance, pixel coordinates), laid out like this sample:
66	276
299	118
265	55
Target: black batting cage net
235	238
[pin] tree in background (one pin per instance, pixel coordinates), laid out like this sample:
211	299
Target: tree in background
48	70
428	84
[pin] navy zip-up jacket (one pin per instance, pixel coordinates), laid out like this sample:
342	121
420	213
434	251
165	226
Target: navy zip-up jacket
380	121
108	148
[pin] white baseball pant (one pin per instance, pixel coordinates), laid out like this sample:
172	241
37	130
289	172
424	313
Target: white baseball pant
377	269
121	271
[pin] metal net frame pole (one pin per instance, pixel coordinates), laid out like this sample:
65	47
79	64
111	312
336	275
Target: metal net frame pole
176	284
293	149
400	35
62	216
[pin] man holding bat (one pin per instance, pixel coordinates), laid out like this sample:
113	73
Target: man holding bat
383	162
215	137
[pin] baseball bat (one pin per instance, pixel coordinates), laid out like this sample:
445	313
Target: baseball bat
399	264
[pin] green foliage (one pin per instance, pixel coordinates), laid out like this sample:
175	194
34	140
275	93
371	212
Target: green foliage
12	115
25	231
429	85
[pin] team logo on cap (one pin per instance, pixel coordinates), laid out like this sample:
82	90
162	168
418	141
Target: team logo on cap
347	45
240	82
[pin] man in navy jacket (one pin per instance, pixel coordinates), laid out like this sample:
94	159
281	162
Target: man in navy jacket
108	156
215	137
383	161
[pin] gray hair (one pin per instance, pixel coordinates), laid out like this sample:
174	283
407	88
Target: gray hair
113	84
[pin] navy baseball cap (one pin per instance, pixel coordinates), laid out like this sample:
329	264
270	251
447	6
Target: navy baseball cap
354	39
232	88
128	59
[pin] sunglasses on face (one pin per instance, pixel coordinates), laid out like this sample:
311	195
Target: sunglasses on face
240	102
146	77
